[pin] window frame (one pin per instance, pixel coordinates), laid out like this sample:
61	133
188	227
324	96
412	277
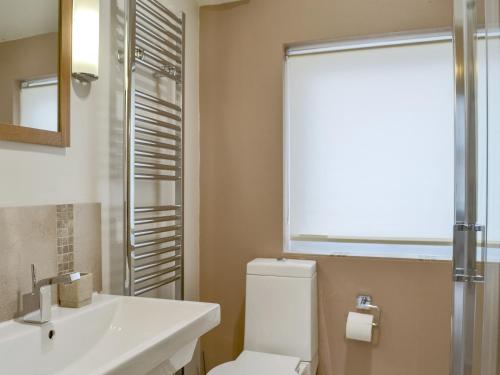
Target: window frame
414	249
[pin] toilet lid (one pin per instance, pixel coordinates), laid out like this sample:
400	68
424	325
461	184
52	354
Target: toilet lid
256	363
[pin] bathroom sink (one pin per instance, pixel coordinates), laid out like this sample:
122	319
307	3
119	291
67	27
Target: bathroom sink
113	335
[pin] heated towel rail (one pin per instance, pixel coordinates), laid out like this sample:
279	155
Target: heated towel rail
153	59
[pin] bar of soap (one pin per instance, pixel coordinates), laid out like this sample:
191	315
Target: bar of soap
78	293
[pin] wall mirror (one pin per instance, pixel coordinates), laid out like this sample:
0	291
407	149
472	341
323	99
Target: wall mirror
35	71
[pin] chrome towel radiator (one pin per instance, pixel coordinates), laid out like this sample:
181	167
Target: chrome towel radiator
153	59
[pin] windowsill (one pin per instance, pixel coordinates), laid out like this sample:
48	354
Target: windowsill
371	250
393	251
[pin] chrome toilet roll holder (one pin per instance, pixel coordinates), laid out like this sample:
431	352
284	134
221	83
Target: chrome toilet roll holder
364	302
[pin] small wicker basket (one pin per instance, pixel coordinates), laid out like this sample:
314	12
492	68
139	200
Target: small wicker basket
78	293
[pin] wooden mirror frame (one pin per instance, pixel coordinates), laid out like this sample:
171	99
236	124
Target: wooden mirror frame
61	138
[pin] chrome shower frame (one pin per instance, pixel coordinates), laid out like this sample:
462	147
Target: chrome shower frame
468	268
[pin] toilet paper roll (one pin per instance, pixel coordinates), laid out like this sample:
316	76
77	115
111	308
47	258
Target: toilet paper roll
359	327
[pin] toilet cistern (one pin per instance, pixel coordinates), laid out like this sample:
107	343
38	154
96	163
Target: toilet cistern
281	325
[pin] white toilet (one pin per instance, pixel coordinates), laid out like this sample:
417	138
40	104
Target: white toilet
281	326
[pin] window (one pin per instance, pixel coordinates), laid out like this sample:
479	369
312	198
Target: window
38	104
369	149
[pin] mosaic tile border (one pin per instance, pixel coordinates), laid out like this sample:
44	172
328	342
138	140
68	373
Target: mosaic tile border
65	238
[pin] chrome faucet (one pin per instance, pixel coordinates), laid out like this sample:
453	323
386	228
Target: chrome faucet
42	290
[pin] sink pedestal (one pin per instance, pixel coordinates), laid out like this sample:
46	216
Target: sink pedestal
177	361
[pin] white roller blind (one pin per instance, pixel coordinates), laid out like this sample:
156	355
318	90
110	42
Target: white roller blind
369	143
38	107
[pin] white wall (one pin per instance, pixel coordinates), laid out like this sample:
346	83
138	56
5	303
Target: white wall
41	175
192	146
192	158
91	169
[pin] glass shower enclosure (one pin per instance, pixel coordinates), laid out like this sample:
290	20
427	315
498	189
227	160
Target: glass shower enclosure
476	233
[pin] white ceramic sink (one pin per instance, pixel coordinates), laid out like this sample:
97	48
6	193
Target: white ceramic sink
113	335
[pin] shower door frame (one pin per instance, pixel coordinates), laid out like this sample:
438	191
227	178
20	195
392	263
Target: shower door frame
467	271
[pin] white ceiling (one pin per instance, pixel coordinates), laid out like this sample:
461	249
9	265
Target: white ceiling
25	18
215	2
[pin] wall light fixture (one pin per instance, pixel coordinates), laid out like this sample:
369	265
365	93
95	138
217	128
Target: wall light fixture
85	46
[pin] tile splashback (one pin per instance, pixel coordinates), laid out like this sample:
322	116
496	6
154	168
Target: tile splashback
56	239
64	234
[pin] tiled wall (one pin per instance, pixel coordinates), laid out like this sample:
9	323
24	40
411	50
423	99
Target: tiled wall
65	242
56	239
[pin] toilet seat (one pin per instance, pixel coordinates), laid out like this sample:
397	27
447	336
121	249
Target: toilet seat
256	363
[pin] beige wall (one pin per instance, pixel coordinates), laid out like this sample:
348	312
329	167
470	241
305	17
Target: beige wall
34	57
241	52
